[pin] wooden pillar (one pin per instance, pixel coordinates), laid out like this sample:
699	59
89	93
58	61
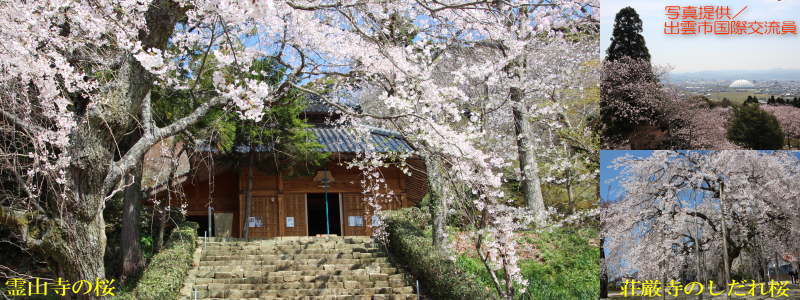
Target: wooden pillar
281	206
241	213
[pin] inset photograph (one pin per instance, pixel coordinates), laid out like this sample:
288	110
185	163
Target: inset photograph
700	76
700	224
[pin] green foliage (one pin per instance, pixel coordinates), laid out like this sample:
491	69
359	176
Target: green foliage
626	39
281	130
566	268
751	100
440	277
163	278
569	269
754	128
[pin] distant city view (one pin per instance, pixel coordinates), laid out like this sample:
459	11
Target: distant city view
738	90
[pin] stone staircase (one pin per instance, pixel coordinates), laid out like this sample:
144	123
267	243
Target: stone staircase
328	267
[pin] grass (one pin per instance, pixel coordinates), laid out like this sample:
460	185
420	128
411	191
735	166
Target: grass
566	266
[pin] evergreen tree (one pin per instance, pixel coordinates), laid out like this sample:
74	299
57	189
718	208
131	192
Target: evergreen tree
771	100
755	128
626	38
725	102
751	100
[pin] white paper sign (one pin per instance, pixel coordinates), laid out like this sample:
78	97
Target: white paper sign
355	221
255	222
289	222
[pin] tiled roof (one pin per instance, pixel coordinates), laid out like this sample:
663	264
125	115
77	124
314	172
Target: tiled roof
342	140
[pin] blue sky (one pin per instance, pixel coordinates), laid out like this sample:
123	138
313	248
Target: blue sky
610	188
711	53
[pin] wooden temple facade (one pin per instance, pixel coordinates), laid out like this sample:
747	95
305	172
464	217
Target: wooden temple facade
285	205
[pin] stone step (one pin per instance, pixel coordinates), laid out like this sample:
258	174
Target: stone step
268	277
292	245
284	265
235	293
391	282
367	267
289	239
283	251
325	268
303	261
265	256
305	244
289	279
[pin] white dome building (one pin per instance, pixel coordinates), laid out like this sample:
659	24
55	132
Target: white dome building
742	84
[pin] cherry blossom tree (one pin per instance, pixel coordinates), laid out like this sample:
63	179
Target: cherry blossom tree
705	127
672	206
631	95
77	78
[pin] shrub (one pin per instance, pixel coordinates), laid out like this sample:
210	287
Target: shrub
755	128
441	277
163	278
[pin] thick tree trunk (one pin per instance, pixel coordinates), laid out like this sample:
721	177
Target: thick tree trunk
248	206
80	251
132	260
531	186
437	204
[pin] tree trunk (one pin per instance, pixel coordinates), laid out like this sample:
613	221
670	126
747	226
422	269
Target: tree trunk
531	186
603	266
161	222
132	260
697	256
437	204
81	249
249	194
603	272
570	197
726	272
777	267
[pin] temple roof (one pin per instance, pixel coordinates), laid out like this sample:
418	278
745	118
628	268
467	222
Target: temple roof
342	140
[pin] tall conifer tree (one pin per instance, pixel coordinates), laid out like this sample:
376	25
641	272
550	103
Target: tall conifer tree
626	38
